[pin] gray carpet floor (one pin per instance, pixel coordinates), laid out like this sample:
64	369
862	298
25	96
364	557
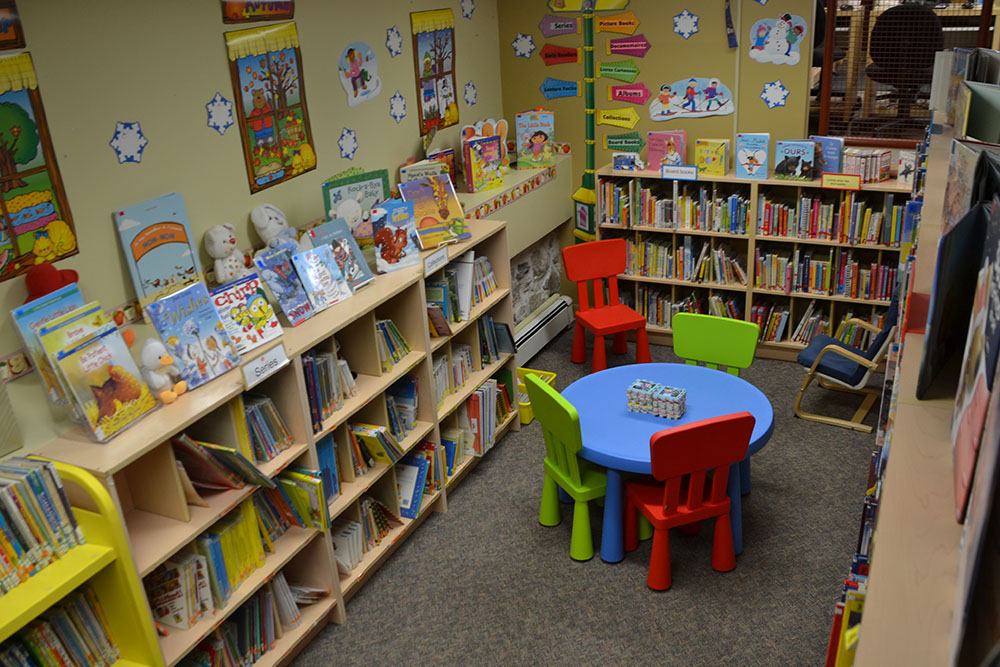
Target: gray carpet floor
485	584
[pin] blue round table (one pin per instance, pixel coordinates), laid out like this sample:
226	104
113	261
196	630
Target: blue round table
618	439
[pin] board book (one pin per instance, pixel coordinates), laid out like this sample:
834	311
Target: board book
534	132
445	156
712	156
828	158
346	251
321	277
793	160
351	197
436	209
277	272
483	159
395	232
422	169
64	331
246	313
752	150
666	147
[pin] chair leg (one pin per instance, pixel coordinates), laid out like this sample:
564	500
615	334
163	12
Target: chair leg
723	554
548	513
871	395
621	343
642	346
581	545
631	526
600	359
745	475
659	561
579	353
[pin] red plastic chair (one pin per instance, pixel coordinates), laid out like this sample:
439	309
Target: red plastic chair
592	263
681	458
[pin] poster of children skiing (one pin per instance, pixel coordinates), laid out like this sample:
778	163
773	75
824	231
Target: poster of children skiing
695	97
778	40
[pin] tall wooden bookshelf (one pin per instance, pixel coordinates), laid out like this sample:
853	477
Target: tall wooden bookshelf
614	221
139	471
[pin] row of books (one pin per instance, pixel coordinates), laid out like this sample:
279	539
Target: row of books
811	218
659	259
329	382
401	404
813	321
495	339
392	346
376	443
702	207
266	429
865	281
658	307
461	285
834	272
772	320
326	455
457	444
353	539
462	366
421	471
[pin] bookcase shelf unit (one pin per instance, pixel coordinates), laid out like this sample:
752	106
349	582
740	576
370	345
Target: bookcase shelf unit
616	221
139	470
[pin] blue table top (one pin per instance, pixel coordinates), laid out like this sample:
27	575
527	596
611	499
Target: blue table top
616	438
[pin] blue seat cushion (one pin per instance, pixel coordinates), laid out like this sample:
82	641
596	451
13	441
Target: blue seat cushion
833	365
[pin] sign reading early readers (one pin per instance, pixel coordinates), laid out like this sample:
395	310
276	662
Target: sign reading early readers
261	367
841	181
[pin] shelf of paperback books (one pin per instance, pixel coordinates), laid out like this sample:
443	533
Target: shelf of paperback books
474	314
460	394
292	641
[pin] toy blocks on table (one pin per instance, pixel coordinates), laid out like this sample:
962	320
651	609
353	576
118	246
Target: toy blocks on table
656	399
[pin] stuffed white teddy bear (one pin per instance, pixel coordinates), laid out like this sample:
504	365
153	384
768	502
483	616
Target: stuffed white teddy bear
220	242
272	227
160	372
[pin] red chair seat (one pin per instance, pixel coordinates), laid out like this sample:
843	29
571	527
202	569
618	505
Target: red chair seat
610	319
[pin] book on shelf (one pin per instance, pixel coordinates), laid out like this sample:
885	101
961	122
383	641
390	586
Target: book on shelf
304	487
422	169
446	157
437	323
439	215
361	458
246	313
666	147
771	320
381	445
435	478
321	278
268	434
813	321
534	134
348	544
233	549
462	365
326	455
906	167
276	270
828	155
179	590
395	232
346	252
443	293
483	160
377	519
453	441
711	156
392	346
351	195
216	467
871	164
404	396
752	151
411	472
793	160
440	373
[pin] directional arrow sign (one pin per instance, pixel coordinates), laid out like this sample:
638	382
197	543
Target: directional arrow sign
630	141
626	117
625	70
592	5
558	25
553	55
553	88
625	23
636	45
636	93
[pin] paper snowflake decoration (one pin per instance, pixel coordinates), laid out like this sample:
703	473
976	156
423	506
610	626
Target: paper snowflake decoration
470	93
220	113
468	6
685	24
774	94
348	143
763	2
524	45
397	107
393	41
128	142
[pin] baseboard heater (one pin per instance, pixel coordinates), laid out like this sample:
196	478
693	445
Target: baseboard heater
542	326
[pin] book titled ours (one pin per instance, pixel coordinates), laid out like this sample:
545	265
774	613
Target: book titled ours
395	233
275	267
793	160
752	150
246	313
483	163
666	148
321	277
534	132
711	156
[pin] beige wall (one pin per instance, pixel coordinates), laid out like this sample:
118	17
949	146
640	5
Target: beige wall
160	62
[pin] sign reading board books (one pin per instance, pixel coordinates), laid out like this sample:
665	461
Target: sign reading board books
346	251
279	275
395	236
438	212
534	130
246	313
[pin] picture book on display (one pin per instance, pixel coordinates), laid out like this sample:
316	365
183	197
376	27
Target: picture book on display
321	277
105	381
752	150
666	147
829	154
483	158
61	332
445	156
422	169
793	160
191	329
160	253
246	313
534	132
275	267
346	251
436	209
351	196
395	233
712	156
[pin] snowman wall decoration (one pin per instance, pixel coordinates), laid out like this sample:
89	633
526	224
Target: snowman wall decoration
778	40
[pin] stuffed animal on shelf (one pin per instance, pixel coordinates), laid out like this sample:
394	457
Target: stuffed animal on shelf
230	264
160	372
272	227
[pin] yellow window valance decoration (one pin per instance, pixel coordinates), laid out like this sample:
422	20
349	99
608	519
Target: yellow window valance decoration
257	41
17	72
437	19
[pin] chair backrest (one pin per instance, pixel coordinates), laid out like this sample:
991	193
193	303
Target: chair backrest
595	261
880	343
715	341
694	449
560	426
905	38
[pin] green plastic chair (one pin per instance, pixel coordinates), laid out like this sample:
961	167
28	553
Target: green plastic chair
715	341
582	480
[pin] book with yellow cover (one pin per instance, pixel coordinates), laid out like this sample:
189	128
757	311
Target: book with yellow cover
712	156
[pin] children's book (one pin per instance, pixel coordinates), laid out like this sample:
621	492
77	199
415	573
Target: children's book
422	169
411	474
275	267
829	154
712	156
346	251
907	167
246	313
395	236
321	277
66	330
752	150
534	132
105	382
352	196
666	147
190	327
445	156
156	239
483	163
437	211
793	160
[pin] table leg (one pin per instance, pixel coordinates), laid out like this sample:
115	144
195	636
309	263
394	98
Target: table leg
745	475
564	497
735	507
612	539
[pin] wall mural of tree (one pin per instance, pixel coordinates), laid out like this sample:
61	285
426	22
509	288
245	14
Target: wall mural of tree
434	61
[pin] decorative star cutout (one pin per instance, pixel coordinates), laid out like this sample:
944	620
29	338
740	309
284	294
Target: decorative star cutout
397	107
686	24
524	45
128	142
471	93
774	94
393	41
348	143
220	113
763	2
468	7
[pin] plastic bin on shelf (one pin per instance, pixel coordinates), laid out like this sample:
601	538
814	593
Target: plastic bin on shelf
524	405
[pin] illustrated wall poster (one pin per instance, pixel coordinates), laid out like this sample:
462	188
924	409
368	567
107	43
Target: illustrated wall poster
778	40
695	97
35	221
358	71
352	198
434	61
248	11
11	33
266	69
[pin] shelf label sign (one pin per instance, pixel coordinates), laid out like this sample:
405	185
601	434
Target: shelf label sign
679	172
260	368
624	23
636	93
555	55
630	141
626	117
626	70
436	260
553	88
557	25
629	46
841	181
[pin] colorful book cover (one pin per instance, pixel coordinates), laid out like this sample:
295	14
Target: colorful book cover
483	163
422	169
793	160
321	277
829	154
105	382
907	166
33	314
445	156
279	275
346	251
160	253
666	147
190	327
246	313
534	132
436	209
61	332
752	150
712	156
395	236
352	197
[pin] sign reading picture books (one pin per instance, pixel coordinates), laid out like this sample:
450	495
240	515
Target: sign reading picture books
358	71
434	60
778	40
352	198
694	97
266	68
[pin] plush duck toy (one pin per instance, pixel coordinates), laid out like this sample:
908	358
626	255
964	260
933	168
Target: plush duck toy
160	372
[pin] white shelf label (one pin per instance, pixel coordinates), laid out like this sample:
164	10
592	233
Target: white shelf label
436	260
259	368
681	172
